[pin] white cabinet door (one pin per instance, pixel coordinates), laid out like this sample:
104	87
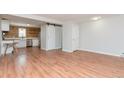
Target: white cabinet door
35	42
5	25
21	44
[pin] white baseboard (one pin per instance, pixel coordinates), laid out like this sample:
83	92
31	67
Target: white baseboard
110	54
49	49
58	48
70	51
44	49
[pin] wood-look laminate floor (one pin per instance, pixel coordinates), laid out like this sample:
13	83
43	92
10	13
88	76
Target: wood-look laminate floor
33	63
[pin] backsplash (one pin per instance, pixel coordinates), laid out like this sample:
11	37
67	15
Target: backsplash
30	32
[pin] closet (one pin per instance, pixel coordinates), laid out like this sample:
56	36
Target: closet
51	36
70	37
58	37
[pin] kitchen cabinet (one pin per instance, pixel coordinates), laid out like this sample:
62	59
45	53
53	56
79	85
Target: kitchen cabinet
5	24
21	43
35	42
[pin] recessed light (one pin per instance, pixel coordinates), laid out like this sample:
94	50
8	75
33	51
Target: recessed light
96	18
28	24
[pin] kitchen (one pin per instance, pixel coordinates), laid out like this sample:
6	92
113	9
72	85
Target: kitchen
16	35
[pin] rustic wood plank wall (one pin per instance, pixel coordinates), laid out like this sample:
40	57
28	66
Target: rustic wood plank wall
30	31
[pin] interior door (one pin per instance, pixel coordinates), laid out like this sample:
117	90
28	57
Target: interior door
58	37
75	39
51	37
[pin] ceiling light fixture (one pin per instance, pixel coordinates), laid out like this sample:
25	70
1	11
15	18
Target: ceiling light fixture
28	24
96	18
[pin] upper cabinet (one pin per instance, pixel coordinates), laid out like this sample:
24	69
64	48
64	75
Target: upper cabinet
5	24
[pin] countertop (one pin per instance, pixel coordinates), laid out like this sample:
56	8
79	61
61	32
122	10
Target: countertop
8	42
21	38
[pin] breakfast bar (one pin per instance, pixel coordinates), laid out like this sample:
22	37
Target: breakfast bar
8	46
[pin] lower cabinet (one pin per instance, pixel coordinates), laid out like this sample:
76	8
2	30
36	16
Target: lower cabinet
35	42
21	43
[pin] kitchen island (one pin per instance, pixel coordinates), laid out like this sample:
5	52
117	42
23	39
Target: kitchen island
22	42
7	46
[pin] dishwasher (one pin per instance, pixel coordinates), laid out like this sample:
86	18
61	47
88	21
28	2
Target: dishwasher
29	43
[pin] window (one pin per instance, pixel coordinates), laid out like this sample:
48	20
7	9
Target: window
22	32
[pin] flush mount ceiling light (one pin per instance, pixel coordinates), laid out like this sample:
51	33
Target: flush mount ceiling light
96	18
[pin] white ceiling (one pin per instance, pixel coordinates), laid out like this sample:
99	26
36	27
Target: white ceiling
79	18
38	19
21	21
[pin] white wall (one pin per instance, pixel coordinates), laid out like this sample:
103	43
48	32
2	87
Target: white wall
104	36
0	39
70	37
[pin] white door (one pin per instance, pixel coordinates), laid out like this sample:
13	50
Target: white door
58	37
51	37
75	39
